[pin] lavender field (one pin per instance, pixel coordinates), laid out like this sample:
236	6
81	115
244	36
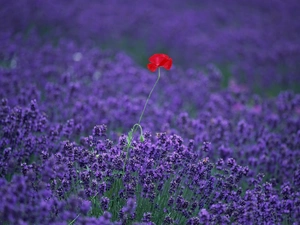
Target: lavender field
221	130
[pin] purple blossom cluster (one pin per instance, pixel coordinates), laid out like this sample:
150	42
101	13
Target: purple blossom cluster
257	41
76	88
210	155
164	182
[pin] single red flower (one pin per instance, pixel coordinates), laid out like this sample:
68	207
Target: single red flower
158	60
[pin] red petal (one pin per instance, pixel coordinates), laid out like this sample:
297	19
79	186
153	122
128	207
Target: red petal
157	59
152	67
167	65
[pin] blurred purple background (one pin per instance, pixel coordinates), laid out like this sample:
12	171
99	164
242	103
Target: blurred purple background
256	42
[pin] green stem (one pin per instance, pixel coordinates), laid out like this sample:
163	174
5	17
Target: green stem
130	141
74	220
138	125
133	130
130	135
149	96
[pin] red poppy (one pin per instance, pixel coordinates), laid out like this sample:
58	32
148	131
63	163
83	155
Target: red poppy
158	60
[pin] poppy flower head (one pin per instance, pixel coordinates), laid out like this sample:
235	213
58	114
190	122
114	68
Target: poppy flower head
158	60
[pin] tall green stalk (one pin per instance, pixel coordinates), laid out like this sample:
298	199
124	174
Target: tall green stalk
138	125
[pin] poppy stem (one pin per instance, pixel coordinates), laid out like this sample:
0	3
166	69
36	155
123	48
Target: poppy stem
149	96
137	125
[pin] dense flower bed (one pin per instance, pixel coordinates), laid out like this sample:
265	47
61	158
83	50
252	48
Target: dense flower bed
55	180
210	155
